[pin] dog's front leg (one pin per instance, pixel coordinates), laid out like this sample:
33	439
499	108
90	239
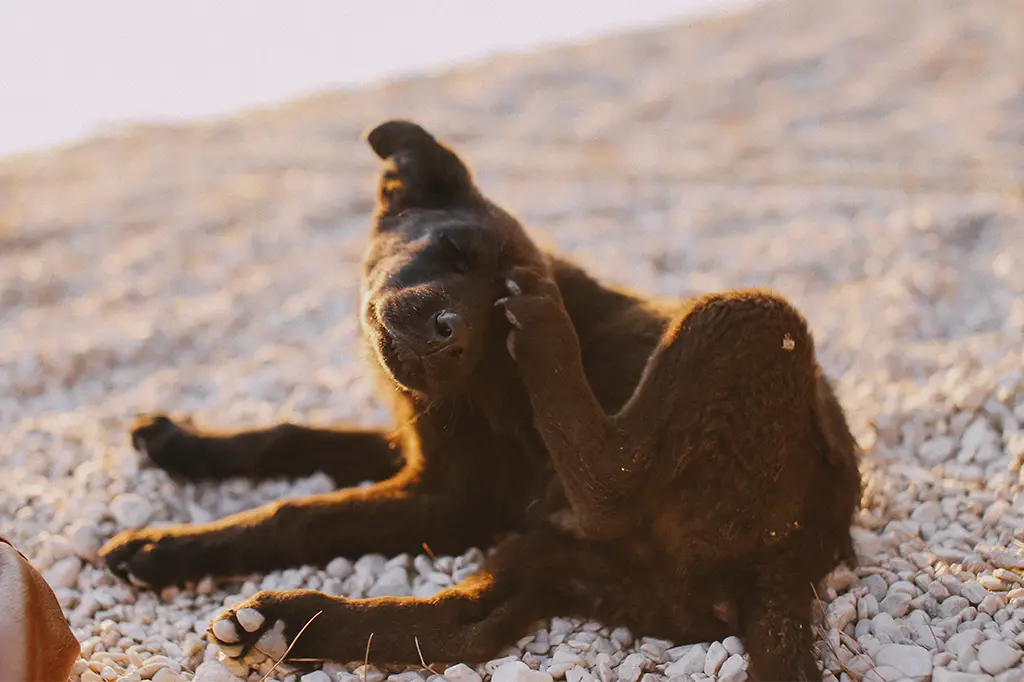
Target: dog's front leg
387	518
601	468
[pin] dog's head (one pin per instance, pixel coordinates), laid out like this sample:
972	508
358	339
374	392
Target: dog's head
435	266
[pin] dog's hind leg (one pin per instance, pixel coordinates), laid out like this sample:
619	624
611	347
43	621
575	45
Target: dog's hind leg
528	578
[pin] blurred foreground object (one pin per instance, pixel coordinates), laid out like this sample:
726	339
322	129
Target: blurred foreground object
36	644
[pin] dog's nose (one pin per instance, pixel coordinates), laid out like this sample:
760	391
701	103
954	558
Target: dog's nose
448	327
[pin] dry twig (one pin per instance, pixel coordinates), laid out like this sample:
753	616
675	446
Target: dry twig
285	654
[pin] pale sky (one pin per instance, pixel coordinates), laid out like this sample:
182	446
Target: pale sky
68	66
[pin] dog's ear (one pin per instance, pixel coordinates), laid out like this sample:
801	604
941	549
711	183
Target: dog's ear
419	171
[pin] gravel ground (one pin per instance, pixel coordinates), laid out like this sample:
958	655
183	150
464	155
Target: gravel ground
863	157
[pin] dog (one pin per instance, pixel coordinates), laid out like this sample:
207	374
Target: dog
36	643
682	468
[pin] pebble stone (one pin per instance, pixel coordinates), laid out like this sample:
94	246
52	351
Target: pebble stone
912	661
461	673
995	656
131	510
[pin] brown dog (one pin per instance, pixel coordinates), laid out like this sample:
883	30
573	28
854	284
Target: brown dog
680	468
36	644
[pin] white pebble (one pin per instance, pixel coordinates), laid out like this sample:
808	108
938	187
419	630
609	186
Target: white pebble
461	673
716	656
633	666
517	671
996	656
212	671
63	573
272	642
912	661
316	676
578	674
689	663
962	641
166	675
973	591
367	674
732	666
84	540
339	567
131	511
734	645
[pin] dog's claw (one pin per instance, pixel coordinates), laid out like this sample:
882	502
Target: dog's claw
513	288
508	313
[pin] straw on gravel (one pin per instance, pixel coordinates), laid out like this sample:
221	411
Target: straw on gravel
863	157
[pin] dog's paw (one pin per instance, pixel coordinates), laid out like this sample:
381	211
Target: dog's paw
244	634
171	446
259	630
533	307
146	557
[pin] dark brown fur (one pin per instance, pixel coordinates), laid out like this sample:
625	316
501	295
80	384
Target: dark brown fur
684	470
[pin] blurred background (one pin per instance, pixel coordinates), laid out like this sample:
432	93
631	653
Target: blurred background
69	69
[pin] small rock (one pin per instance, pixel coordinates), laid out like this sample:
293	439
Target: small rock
995	656
689	663
937	450
716	656
164	675
882	673
132	511
912	661
867	607
962	641
734	645
622	637
927	512
732	666
841	613
339	568
991	604
896	604
944	675
367	673
973	591
63	573
992	583
952	606
633	666
578	674
316	676
84	540
517	671
212	671
654	649
273	643
876	586
461	673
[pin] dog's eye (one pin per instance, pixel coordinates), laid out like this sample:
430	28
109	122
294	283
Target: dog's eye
455	254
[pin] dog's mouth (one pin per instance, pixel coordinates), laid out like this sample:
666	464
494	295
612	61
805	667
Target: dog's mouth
424	370
405	368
